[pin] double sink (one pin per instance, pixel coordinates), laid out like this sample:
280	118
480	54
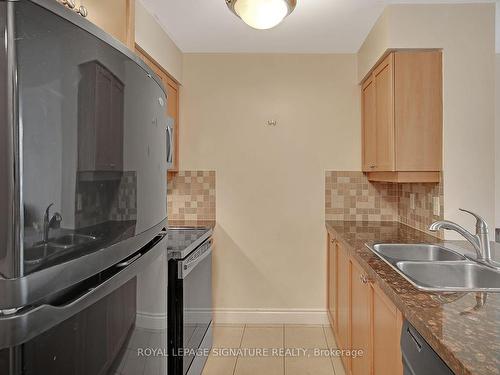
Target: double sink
434	268
45	250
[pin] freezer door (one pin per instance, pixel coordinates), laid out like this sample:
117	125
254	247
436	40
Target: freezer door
118	325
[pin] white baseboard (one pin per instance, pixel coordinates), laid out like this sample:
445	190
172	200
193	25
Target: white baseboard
270	316
151	320
245	316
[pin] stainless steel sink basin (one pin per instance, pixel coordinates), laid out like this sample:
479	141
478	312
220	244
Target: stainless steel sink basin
43	251
451	276
71	240
415	252
38	253
435	268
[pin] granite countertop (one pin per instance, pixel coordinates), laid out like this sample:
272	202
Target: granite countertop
192	223
463	328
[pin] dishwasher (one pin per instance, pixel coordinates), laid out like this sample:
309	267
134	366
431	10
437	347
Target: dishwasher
418	356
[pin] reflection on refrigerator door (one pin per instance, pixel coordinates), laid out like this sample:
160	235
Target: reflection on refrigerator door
112	323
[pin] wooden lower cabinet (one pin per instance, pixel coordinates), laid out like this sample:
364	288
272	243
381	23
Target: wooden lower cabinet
343	303
362	317
386	325
332	281
360	320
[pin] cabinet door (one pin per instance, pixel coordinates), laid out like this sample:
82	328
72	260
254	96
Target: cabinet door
360	320
369	132
116	132
384	114
109	117
343	302
103	128
418	112
386	335
332	281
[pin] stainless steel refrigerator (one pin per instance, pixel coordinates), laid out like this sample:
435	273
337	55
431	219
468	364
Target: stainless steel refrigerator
83	159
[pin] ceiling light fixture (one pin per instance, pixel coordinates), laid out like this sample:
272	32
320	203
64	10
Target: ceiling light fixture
262	14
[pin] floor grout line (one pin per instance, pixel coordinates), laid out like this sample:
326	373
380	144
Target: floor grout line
328	346
239	347
283	344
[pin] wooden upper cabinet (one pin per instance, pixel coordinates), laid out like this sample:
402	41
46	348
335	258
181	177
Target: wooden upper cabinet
116	17
419	111
402	118
172	88
369	129
100	119
383	77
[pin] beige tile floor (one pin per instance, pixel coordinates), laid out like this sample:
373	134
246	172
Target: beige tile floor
277	337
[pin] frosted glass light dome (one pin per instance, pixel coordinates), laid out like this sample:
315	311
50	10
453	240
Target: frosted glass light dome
262	14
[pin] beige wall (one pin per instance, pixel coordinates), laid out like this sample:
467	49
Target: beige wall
270	239
467	35
155	41
375	44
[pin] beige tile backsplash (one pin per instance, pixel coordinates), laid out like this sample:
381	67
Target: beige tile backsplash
422	216
191	196
350	196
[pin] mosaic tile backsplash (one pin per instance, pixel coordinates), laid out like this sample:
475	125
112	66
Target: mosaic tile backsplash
350	196
100	201
124	208
191	196
422	216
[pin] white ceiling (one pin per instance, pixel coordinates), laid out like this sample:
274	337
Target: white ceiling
316	26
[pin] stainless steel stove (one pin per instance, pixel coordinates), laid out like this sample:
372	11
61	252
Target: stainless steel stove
189	299
183	240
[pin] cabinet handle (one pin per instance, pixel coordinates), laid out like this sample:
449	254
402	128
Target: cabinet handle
364	279
372	166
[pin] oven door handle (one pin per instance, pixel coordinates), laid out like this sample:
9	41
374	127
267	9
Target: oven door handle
185	267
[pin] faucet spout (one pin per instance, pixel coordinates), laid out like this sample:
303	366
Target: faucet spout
449	225
50	222
480	241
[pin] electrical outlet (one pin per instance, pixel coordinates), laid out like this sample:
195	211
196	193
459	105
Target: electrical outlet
412	201
436	206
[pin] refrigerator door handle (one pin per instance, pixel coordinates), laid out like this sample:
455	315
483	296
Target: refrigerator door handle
21	327
128	262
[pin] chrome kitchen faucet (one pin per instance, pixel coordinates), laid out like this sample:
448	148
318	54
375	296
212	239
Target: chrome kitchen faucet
480	241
